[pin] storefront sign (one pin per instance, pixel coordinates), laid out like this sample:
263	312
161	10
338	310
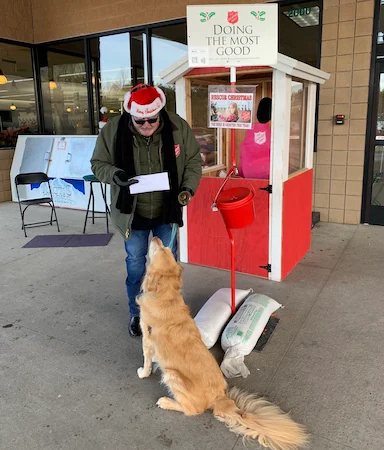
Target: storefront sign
228	109
232	35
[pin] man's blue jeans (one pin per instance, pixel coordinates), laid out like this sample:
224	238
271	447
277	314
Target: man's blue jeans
137	249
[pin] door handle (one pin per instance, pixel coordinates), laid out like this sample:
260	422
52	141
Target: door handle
69	157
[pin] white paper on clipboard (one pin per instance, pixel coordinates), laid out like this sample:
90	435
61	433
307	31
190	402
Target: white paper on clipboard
150	183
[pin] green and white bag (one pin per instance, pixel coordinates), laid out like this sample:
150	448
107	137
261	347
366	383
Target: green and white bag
243	331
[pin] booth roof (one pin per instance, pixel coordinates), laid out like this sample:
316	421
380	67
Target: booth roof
284	64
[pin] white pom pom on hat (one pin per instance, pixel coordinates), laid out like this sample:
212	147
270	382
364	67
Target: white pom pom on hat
103	109
144	101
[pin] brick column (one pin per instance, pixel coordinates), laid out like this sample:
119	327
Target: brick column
346	54
6	157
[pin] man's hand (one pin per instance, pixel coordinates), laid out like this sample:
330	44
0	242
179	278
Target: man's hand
122	179
185	196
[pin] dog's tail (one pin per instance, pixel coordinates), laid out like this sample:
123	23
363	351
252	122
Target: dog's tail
255	418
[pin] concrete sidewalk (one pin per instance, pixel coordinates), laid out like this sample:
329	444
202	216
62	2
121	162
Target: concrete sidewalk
68	366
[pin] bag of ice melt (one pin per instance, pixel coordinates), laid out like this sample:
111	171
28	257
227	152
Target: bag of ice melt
243	331
213	316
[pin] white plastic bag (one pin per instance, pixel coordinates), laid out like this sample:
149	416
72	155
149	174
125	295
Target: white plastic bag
213	316
243	331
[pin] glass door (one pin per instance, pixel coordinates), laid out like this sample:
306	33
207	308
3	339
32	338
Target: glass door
376	183
119	62
64	88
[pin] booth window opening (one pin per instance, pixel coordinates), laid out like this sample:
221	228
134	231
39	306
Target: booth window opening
298	128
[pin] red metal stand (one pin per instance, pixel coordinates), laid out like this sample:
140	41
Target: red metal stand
233	273
233	170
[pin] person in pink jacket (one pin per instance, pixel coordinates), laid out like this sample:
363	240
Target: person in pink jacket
255	150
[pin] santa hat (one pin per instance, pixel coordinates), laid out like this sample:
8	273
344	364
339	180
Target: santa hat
144	101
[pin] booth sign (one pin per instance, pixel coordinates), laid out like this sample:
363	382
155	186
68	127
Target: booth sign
232	35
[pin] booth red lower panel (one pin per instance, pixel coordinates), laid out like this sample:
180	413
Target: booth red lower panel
297	220
208	242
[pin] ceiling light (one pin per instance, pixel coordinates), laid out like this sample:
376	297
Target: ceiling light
69	109
111	110
304	16
3	78
12	107
52	84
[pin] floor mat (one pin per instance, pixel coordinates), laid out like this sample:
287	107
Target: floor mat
69	240
50	240
88	240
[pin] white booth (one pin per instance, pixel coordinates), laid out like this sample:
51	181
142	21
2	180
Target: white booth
280	235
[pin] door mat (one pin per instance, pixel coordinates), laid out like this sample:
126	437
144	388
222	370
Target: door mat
267	333
89	240
69	240
50	240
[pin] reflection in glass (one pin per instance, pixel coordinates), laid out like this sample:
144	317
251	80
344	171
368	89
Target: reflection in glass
299	31
380	34
17	94
169	45
380	111
206	137
118	64
298	126
64	91
378	177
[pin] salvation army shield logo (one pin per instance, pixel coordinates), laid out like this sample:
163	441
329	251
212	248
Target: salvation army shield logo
260	138
177	150
233	17
245	116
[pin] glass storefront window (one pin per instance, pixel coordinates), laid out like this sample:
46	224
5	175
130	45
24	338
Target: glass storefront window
209	139
377	198
380	110
169	45
299	31
17	94
297	134
64	90
380	34
118	64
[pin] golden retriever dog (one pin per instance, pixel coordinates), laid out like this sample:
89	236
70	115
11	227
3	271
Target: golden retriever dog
191	373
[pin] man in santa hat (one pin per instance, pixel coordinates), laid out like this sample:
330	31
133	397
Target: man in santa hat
144	140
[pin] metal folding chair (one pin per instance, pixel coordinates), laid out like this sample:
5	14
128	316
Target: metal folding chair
35	178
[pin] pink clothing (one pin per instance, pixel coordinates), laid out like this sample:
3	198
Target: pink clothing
255	152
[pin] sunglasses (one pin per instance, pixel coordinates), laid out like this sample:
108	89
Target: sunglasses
142	121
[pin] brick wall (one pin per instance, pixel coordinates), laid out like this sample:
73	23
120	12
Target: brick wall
346	54
52	21
6	157
16	20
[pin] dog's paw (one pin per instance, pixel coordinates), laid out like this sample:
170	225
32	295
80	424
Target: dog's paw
142	373
162	403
